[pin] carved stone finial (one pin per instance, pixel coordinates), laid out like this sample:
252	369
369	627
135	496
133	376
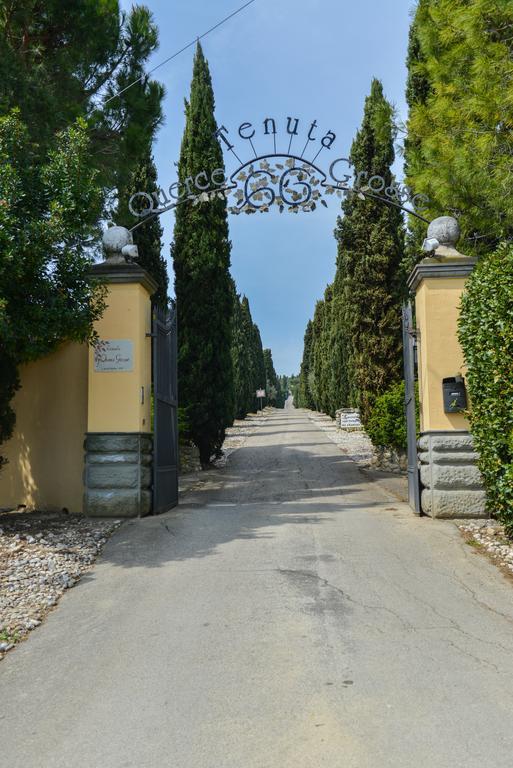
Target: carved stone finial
446	230
118	245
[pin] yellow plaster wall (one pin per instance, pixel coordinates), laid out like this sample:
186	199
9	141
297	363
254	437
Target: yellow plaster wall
115	396
46	453
440	355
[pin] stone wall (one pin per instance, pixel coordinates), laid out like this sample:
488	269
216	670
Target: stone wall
450	476
118	474
189	458
390	460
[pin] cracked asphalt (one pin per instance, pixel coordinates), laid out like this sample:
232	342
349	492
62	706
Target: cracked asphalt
289	613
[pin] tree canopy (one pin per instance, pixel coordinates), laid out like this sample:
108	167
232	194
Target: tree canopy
459	147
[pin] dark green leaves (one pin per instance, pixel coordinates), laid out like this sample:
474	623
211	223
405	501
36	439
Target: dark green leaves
486	335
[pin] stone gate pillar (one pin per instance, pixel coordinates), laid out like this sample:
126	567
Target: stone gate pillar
118	440
449	474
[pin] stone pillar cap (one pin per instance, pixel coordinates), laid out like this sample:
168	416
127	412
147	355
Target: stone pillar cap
121	272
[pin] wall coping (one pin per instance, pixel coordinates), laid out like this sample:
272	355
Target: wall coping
124	273
433	268
429	432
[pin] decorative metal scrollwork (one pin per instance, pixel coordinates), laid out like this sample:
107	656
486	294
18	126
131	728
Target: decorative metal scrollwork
292	183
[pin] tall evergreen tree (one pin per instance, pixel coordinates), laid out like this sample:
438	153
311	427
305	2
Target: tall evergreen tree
459	150
325	354
256	377
305	399
369	279
341	373
241	360
247	358
147	237
201	257
65	59
258	359
275	396
314	376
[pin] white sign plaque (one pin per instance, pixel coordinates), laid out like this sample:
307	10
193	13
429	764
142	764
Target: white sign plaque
114	355
260	393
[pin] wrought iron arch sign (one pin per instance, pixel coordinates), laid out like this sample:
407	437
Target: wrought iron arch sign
284	180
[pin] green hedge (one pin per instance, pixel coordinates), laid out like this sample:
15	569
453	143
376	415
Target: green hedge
486	336
386	425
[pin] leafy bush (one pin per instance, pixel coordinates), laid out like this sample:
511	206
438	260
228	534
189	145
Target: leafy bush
386	425
486	336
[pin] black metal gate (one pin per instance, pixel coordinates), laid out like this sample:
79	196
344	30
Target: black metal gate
165	416
409	346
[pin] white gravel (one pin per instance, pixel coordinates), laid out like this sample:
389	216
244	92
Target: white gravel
42	555
489	537
355	444
238	433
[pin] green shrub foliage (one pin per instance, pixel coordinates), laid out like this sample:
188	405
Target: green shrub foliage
47	212
486	335
66	157
386	425
460	139
65	60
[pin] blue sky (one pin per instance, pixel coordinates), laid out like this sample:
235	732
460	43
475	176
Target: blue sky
310	59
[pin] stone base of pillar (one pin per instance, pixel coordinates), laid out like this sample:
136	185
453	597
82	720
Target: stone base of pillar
450	476
118	474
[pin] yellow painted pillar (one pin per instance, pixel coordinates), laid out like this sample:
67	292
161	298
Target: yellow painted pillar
449	474
119	440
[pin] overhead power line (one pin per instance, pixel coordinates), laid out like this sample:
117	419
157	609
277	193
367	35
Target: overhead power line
189	45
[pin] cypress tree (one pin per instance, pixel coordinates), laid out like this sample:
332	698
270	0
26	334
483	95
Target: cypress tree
201	257
148	237
325	354
315	364
340	345
255	353
274	392
369	280
243	374
305	399
258	360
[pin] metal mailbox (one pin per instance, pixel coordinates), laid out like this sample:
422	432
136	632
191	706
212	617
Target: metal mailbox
455	394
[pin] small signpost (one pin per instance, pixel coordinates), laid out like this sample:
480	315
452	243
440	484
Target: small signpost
349	420
261	394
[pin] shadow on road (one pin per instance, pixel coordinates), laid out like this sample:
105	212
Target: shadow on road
262	487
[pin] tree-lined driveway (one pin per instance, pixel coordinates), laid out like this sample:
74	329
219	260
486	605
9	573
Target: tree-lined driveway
288	614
